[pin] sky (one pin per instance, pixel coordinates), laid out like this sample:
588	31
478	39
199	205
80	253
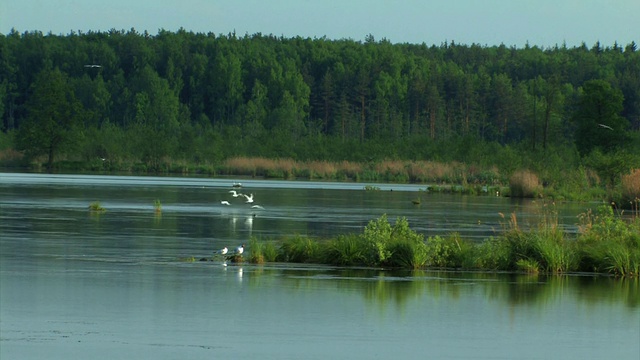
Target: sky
543	23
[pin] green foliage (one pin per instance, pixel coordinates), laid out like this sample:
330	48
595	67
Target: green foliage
408	254
599	125
610	243
529	266
299	249
605	244
555	254
347	250
96	207
195	99
262	251
51	126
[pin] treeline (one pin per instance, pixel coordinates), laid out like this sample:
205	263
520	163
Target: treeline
202	98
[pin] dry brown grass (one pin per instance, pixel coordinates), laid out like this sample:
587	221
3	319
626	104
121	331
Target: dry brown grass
322	169
524	183
391	166
413	171
10	155
631	185
349	169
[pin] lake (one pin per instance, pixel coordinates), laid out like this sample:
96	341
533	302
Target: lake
76	284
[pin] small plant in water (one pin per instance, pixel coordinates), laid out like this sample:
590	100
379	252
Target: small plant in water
371	188
96	207
157	205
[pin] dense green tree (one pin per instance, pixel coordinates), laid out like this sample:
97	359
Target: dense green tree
597	118
51	126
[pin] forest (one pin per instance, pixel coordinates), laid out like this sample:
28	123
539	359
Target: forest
189	102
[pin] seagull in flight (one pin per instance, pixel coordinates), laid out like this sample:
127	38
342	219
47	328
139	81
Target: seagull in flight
224	202
605	126
93	66
249	198
257	207
235	193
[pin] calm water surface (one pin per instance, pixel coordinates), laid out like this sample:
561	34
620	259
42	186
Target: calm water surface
77	285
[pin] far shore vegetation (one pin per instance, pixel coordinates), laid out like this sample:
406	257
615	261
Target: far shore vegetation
558	122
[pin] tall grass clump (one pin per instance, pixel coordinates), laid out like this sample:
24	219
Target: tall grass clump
505	251
631	188
299	249
610	244
525	184
346	250
555	254
550	249
408	254
262	251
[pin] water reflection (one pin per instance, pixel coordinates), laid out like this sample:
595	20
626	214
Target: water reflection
398	288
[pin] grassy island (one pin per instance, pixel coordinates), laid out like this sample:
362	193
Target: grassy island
605	244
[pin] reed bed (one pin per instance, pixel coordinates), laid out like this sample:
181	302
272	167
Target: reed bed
385	170
525	184
605	244
631	187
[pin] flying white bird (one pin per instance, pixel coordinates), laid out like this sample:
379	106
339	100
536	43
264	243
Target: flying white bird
93	66
240	249
237	185
224	202
235	193
249	198
605	126
257	207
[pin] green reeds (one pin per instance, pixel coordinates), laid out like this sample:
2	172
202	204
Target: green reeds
96	207
157	205
262	251
408	254
299	249
346	250
556	255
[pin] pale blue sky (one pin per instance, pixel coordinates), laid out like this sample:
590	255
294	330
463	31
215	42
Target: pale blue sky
486	22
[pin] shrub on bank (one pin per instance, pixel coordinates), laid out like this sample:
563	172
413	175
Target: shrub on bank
524	184
631	187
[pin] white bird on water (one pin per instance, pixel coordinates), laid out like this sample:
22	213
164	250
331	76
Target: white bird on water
240	249
224	202
223	251
249	198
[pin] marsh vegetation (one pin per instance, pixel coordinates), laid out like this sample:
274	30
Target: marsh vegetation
605	244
